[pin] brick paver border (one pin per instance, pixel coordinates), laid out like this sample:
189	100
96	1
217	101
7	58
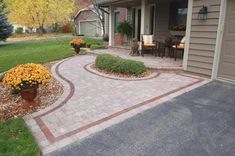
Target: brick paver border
52	139
38	119
90	70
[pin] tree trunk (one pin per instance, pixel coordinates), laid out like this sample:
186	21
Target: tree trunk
41	30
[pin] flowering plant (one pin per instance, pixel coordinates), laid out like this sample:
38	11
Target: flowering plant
27	76
77	42
178	27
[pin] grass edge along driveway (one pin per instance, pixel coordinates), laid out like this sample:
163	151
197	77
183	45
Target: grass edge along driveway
15	137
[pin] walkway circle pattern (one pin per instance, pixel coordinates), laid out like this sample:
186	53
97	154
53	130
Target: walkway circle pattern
89	69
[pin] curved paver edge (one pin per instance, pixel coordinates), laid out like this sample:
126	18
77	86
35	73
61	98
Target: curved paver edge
88	68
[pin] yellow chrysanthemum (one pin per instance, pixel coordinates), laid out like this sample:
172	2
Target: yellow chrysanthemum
33	74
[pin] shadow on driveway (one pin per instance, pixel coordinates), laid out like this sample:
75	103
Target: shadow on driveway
197	123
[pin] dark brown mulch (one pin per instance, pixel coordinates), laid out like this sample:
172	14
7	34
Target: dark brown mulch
11	105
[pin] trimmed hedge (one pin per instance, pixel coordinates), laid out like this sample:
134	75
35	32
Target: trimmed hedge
117	64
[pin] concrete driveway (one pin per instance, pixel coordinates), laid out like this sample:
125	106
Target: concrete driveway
197	123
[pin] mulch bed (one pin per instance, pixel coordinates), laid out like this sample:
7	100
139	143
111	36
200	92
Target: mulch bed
11	105
121	75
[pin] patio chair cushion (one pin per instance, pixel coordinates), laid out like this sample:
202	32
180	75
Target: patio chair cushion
148	39
180	46
149	45
183	40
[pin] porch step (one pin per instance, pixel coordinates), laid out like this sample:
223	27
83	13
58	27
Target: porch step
120	47
176	70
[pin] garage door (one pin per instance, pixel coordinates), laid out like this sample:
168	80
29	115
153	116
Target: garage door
89	28
227	59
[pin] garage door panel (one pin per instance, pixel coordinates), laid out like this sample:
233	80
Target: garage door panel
228	70
232	5
88	28
231	25
227	58
230	47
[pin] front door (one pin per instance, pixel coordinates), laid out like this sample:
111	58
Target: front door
227	58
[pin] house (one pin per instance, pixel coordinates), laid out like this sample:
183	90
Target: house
210	30
88	22
24	28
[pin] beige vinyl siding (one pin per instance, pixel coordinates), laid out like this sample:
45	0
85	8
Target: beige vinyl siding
203	37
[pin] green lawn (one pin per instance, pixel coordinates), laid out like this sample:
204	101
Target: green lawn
33	51
16	140
37	51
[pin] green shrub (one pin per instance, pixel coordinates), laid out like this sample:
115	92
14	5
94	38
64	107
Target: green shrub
88	45
92	41
93	47
117	64
19	30
125	28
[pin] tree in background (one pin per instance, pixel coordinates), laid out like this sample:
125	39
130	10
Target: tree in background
5	27
40	13
101	14
81	4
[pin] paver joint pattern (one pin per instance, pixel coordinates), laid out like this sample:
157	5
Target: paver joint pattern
92	102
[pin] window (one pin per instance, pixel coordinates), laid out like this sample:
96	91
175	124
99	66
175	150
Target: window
152	19
178	16
133	21
116	20
181	16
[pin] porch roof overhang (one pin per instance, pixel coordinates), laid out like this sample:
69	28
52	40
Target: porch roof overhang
118	3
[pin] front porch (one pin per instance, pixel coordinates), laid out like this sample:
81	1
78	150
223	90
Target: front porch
155	63
164	19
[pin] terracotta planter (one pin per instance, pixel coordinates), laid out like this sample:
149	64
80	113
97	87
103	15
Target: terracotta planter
29	95
77	49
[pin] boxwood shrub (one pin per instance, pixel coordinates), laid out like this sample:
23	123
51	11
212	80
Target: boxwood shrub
117	64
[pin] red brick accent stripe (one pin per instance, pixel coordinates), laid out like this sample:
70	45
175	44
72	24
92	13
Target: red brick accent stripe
52	139
71	93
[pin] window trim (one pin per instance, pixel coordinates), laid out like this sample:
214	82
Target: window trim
115	22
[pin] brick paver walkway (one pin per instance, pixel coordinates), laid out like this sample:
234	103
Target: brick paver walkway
92	102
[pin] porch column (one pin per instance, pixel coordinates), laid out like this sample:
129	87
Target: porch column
111	26
188	34
143	18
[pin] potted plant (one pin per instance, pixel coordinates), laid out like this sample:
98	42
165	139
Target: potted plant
106	40
125	29
77	44
25	79
178	30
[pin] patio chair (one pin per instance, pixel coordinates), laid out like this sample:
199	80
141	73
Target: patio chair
148	43
166	46
178	47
